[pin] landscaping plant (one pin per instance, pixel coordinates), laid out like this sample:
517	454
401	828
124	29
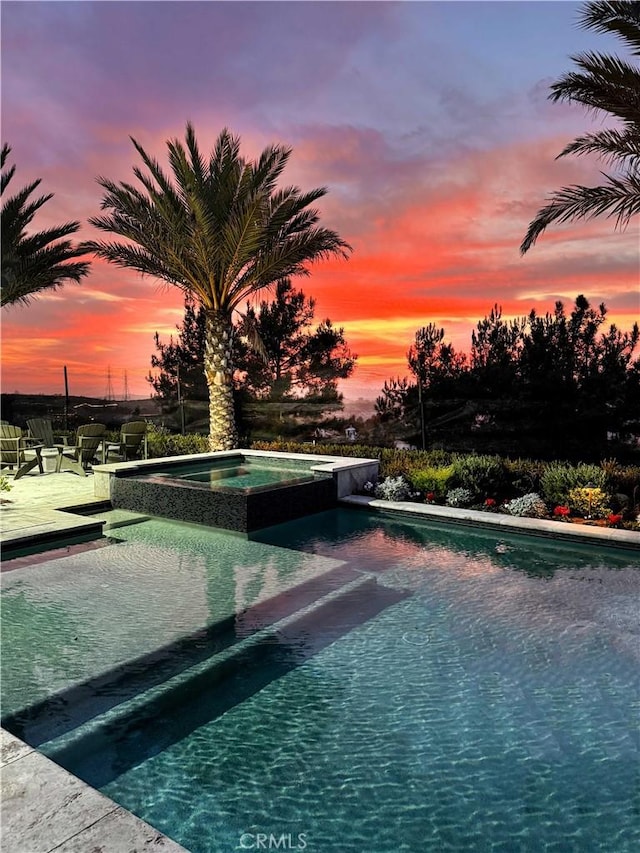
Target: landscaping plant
528	506
459	497
434	480
590	503
481	475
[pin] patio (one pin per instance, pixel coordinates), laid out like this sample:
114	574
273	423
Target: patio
34	508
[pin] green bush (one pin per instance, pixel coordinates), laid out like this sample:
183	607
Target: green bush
433	479
523	475
163	443
624	481
484	476
393	462
558	478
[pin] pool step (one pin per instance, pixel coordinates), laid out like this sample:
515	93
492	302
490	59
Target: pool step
81	702
107	745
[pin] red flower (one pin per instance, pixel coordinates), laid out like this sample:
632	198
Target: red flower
561	511
489	502
614	519
430	496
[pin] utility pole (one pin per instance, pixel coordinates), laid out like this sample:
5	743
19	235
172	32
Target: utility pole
109	395
66	400
423	431
180	403
126	386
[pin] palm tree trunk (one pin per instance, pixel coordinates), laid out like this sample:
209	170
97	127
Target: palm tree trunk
218	368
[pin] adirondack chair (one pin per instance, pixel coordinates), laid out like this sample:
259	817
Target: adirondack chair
78	457
42	430
13	448
132	444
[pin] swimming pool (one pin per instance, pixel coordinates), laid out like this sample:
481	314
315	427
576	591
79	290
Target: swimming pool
344	681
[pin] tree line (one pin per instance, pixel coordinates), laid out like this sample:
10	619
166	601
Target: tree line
564	378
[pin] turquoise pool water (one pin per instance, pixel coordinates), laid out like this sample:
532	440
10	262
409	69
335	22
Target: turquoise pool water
343	682
242	472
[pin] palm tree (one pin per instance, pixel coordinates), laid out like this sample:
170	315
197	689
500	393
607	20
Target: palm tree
33	262
219	230
611	86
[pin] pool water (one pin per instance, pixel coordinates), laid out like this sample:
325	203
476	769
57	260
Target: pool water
343	682
239	472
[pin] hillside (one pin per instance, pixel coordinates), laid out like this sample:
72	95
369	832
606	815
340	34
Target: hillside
18	408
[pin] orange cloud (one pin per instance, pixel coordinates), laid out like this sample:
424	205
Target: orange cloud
435	240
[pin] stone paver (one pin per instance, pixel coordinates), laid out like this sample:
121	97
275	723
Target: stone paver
32	510
43	805
119	832
35	492
11	748
44	809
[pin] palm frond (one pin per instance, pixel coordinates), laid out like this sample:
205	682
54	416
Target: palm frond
609	85
605	84
614	146
248	328
619	197
33	262
618	17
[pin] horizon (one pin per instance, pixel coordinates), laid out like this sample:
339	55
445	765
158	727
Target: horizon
429	122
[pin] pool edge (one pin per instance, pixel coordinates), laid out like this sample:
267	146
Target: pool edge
35	787
563	531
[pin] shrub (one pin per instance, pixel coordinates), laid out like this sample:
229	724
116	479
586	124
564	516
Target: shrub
393	462
558	478
432	479
624	481
611	471
528	506
590	502
459	497
481	475
620	503
5	485
523	475
163	443
393	489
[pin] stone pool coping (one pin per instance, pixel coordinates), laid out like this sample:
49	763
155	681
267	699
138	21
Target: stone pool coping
565	531
45	808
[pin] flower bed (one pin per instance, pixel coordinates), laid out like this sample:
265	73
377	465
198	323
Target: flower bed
586	505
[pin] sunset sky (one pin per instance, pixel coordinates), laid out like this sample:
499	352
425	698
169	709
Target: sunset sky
428	122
